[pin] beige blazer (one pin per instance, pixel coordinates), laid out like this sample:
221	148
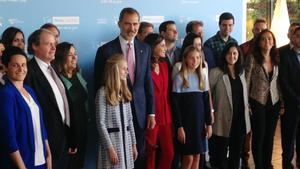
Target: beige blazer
222	101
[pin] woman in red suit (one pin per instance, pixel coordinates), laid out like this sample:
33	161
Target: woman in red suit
161	134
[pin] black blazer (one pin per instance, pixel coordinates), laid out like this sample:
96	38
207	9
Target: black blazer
142	89
57	130
289	71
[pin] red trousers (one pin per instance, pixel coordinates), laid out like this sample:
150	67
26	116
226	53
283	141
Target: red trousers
161	135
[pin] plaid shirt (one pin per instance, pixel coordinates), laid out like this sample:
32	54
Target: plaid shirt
217	44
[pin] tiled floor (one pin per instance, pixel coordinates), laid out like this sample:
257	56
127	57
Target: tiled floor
276	151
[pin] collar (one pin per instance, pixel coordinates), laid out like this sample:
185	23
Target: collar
41	63
124	41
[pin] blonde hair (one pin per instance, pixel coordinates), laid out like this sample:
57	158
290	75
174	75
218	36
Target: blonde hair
199	70
116	89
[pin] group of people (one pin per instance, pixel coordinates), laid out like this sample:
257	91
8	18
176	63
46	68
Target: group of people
157	105
44	115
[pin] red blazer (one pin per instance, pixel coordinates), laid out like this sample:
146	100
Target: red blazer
162	94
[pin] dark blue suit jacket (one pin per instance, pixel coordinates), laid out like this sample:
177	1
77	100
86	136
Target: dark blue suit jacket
289	71
16	126
142	89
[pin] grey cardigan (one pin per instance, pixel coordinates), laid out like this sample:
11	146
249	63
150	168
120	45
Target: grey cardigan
222	99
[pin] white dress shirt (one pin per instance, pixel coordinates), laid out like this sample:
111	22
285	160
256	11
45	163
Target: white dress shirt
60	102
124	47
39	158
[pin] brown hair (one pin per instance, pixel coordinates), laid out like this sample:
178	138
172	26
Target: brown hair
61	55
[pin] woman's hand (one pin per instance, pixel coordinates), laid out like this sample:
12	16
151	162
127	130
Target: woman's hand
113	156
208	131
181	135
134	152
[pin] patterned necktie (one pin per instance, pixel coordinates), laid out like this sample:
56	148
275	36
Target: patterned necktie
130	62
61	89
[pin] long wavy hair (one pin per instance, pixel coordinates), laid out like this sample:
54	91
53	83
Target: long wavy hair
259	58
184	69
116	89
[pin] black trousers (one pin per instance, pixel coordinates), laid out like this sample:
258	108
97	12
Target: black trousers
290	120
140	162
263	123
232	144
298	142
63	161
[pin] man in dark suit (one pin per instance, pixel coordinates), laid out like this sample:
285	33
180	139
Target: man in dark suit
52	96
289	82
139	79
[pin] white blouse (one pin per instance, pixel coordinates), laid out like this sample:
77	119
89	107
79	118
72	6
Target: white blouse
38	141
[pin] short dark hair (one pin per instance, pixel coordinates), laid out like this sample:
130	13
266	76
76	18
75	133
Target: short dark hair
153	39
260	20
144	25
238	67
34	39
9	52
128	10
163	26
9	34
191	24
294	24
225	16
50	25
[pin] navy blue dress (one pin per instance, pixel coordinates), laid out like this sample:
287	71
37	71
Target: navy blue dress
192	112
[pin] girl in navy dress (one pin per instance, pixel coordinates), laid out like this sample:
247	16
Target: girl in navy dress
192	117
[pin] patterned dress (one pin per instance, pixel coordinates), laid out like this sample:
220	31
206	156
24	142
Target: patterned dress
193	111
115	127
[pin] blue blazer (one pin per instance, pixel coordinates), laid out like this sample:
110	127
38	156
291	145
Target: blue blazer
142	89
16	126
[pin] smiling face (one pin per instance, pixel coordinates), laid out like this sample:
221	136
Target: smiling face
266	41
129	26
71	60
123	69
193	60
17	68
232	56
46	49
160	49
226	27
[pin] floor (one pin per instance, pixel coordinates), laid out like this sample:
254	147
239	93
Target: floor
276	151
